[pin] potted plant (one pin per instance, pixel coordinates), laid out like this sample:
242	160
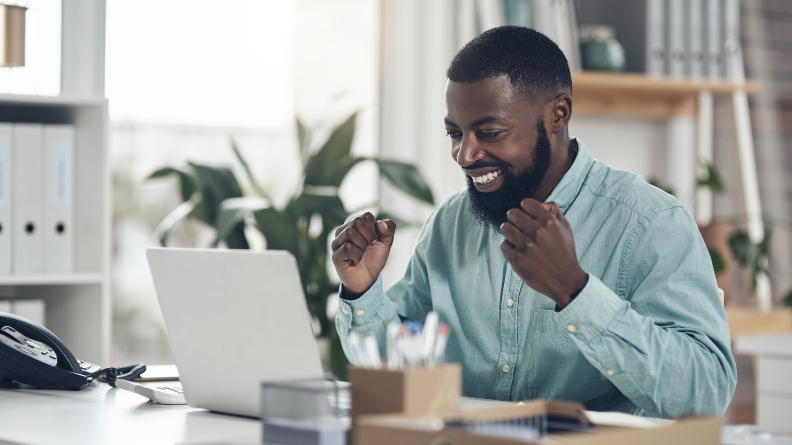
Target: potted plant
303	226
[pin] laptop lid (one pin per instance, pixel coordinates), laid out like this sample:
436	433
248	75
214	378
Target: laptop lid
234	318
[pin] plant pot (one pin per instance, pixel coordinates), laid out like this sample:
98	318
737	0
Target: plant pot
716	236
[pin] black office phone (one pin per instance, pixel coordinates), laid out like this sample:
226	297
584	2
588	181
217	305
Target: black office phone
32	355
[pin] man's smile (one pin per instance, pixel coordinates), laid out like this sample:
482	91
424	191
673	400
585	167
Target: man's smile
486	180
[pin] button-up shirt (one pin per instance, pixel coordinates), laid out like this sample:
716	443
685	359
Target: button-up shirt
646	335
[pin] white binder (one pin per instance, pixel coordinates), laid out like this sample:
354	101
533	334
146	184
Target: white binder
27	246
696	30
5	198
677	58
58	176
732	55
655	37
714	39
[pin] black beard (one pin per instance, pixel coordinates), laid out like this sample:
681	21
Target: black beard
490	208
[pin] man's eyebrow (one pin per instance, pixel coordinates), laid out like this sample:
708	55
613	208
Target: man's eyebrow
449	123
486	120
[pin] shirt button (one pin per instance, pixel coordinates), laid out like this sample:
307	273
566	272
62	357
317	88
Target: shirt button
506	368
345	311
510	302
360	312
609	372
571	328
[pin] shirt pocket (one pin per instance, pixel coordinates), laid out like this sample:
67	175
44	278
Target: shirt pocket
543	324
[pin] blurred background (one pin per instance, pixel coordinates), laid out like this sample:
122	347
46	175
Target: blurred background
263	88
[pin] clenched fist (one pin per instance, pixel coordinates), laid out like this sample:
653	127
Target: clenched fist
360	251
540	248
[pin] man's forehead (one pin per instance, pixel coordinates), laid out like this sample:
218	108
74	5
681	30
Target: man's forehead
492	98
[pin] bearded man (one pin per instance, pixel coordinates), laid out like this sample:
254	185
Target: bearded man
561	277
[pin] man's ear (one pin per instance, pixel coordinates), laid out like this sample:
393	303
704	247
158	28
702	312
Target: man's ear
560	110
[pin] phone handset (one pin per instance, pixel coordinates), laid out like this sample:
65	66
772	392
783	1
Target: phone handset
31	354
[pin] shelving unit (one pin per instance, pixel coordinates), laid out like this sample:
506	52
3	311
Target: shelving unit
632	94
77	304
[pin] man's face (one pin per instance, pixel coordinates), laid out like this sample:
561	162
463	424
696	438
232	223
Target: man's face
499	140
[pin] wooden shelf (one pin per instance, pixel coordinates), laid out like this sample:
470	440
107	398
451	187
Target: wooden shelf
639	95
748	321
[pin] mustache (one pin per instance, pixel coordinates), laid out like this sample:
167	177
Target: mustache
482	164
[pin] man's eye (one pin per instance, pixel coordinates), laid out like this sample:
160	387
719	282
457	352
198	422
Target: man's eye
489	134
453	134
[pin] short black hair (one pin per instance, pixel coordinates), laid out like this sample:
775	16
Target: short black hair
536	66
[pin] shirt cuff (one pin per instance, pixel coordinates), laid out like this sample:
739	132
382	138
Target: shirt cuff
362	310
588	316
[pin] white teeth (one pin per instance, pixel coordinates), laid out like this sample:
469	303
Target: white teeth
484	179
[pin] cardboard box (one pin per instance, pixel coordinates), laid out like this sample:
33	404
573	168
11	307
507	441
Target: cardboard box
418	393
400	429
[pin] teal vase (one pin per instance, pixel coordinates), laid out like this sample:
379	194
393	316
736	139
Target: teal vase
602	55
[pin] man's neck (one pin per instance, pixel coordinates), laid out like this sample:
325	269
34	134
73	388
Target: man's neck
562	160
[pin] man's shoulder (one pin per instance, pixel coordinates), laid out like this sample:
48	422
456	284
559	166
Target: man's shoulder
628	190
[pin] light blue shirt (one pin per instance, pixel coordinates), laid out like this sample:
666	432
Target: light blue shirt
646	335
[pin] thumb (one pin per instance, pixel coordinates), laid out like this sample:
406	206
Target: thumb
385	231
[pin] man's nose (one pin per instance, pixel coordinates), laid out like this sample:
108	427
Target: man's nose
469	151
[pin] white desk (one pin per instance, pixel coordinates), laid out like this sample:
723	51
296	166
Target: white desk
773	377
103	415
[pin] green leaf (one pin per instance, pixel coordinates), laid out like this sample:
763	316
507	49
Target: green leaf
741	247
717	261
216	184
183	210
712	180
406	178
333	160
338	360
755	256
187	182
787	301
279	230
303	140
233	211
256	187
330	207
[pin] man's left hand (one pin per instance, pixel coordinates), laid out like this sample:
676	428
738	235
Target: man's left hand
540	248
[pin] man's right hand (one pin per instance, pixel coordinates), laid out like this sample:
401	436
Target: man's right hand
360	251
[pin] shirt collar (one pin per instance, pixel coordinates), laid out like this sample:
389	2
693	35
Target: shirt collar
569	186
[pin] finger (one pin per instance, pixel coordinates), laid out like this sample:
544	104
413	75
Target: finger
535	210
347	254
366	225
522	221
513	234
507	249
386	230
350	235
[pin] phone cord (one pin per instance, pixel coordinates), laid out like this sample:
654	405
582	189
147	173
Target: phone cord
130	372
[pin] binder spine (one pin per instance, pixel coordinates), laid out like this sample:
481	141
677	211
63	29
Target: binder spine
714	39
676	38
58	154
655	37
696	38
5	198
27	248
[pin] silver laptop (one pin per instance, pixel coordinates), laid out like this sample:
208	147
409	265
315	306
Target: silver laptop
234	319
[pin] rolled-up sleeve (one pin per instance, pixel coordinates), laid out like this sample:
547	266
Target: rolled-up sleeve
661	337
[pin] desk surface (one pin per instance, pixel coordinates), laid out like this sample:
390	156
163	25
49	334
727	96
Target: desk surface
777	344
100	414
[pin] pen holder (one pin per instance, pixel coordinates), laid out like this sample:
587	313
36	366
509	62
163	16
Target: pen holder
417	392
